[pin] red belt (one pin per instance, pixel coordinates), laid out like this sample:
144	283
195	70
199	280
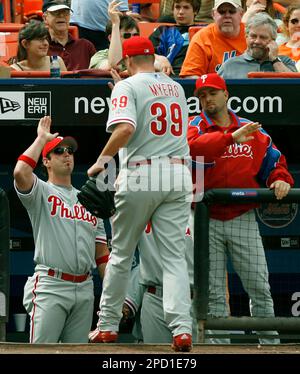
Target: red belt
149	162
158	291
69	277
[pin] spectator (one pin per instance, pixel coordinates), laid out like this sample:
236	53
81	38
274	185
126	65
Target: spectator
256	6
33	48
172	41
76	53
291	21
60	295
261	53
216	43
119	28
91	17
203	15
241	155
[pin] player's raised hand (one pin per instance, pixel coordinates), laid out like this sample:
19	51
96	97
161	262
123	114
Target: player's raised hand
281	189
243	134
115	76
44	129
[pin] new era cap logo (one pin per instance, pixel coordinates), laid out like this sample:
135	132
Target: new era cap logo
7	105
23	105
147	50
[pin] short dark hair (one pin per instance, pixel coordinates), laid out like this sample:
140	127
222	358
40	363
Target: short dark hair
194	3
33	30
126	23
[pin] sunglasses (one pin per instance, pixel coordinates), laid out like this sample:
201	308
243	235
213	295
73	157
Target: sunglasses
127	35
62	150
294	21
230	11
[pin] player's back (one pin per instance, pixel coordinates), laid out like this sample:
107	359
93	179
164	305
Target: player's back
157	106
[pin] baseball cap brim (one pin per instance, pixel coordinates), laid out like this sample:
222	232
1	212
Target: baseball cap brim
67	140
53	8
233	3
209	86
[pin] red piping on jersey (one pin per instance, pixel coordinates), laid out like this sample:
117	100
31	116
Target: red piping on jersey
34	307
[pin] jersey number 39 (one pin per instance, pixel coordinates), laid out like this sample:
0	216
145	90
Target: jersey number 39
160	126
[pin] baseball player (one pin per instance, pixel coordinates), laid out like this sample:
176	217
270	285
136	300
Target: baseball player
59	297
238	154
144	292
147	120
154	327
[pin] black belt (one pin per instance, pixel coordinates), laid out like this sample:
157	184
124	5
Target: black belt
149	161
158	291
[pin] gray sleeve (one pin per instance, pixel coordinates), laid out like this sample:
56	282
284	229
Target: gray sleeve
221	71
100	233
32	198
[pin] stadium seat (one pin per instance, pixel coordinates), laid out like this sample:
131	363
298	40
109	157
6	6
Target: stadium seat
73	30
266	74
194	29
9	38
15	27
8	45
84	73
147	28
279	8
28	9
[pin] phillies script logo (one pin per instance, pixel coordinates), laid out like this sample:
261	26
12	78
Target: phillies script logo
79	212
238	150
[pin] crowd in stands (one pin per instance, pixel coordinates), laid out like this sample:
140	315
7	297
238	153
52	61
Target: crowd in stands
103	25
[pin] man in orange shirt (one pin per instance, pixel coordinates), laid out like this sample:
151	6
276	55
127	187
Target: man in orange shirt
216	43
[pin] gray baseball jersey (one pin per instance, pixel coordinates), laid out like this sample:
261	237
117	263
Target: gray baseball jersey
156	107
64	235
68	231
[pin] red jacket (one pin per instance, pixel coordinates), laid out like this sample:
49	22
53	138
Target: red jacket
253	164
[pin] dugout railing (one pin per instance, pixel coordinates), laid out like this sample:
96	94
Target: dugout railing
201	263
4	263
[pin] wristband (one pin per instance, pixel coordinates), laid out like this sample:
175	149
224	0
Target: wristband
28	160
102	260
277	59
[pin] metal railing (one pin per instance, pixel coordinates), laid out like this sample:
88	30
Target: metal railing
4	263
201	263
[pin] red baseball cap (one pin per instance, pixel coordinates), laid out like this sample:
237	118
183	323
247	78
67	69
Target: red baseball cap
210	80
137	45
67	140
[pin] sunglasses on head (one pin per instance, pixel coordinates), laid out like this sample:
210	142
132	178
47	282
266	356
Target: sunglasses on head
294	21
127	35
62	150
